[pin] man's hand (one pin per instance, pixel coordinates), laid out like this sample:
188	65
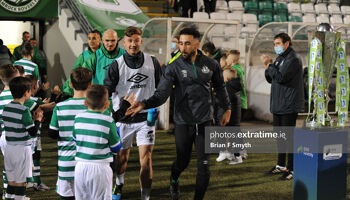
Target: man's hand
225	118
38	115
266	59
130	98
135	108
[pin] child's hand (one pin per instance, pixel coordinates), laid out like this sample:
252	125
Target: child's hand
130	98
39	115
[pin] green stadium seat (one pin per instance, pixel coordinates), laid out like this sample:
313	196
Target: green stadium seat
294	19
264	19
280	18
251	6
265	6
280	8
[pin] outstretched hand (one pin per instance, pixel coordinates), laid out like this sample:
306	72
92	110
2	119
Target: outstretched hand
130	98
135	108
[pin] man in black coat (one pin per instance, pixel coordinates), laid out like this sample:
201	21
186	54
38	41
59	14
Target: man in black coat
287	94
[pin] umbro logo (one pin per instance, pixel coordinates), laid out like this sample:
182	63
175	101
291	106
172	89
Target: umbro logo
138	78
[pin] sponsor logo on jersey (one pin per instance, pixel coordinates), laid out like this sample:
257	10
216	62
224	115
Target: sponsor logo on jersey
138	78
205	69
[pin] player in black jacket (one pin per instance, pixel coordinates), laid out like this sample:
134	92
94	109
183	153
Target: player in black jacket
191	74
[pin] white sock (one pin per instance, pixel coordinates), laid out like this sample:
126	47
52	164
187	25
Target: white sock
145	193
120	179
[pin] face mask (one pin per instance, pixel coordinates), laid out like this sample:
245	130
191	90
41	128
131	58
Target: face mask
279	50
173	46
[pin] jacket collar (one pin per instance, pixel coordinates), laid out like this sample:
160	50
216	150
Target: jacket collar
112	54
199	54
286	52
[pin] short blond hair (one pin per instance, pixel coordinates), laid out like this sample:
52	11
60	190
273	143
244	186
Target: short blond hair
229	72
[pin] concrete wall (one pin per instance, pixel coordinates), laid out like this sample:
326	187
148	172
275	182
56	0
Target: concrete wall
60	57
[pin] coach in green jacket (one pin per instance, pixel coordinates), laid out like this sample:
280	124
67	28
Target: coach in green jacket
99	61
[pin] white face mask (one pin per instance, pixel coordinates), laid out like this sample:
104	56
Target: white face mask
173	46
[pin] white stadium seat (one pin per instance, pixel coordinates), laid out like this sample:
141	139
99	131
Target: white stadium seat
309	19
234	16
294	9
336	19
235	6
307	8
217	15
321	8
322	19
345	10
334	9
347	19
200	15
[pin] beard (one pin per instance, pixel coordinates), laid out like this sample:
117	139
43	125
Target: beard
189	55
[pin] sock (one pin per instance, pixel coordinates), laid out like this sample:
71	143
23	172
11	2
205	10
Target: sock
145	193
36	172
20	192
4	178
120	179
10	192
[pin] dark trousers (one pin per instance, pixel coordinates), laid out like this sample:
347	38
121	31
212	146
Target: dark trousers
188	5
285	120
185	136
209	6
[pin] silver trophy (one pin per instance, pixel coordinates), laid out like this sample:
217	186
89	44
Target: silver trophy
329	39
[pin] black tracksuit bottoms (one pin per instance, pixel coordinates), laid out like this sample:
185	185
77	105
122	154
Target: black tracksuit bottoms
285	120
185	136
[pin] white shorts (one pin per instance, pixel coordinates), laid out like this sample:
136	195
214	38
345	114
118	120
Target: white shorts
18	163
145	135
65	188
93	181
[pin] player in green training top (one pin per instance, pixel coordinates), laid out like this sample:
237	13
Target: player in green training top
99	61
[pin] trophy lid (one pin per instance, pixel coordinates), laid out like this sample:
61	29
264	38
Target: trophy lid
325	27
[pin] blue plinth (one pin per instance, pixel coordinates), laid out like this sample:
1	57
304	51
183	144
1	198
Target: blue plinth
317	175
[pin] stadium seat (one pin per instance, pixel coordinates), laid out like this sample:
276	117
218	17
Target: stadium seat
308	8
322	19
347	19
280	18
234	16
250	21
200	15
336	19
309	19
345	10
264	19
280	8
221	5
334	9
294	19
321	9
265	7
251	7
235	6
218	15
294	9
249	18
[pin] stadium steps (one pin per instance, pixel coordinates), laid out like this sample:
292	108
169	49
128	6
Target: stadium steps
158	8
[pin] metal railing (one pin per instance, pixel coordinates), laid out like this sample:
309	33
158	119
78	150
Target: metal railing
78	16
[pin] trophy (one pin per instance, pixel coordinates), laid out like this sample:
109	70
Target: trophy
327	52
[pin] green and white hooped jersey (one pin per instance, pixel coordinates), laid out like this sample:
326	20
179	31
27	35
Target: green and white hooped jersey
30	68
17	119
63	120
95	134
5	98
140	81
